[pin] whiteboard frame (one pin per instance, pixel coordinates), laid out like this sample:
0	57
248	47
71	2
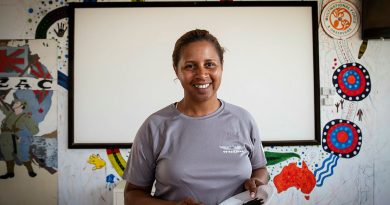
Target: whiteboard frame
77	105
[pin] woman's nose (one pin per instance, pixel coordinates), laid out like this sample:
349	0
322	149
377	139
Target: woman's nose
202	71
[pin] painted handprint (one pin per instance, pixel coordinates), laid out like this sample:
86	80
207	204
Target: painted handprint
61	29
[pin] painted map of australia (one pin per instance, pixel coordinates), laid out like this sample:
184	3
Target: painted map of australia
293	176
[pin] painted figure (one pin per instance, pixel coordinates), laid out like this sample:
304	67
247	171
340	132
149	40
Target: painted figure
17	129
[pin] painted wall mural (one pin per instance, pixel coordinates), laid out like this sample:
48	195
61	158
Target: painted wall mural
117	161
354	132
27	95
95	160
352	82
28	102
293	176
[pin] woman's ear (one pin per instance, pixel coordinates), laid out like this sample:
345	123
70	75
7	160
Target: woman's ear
175	68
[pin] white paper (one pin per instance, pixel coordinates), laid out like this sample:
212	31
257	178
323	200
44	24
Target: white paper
264	192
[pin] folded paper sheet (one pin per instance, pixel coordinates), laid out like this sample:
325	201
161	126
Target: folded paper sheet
264	192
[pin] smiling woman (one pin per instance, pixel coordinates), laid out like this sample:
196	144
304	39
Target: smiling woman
177	146
199	69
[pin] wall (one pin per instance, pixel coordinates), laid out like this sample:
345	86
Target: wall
362	179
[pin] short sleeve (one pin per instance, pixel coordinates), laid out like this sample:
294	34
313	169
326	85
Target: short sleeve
140	168
257	157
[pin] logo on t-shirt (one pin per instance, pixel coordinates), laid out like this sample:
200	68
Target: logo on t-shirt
231	149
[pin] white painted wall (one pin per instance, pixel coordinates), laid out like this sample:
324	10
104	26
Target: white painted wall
360	180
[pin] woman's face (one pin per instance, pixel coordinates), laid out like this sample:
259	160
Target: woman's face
199	71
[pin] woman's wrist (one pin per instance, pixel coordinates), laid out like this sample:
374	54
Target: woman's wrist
259	181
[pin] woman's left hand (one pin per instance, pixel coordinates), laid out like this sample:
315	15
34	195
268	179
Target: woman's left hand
251	185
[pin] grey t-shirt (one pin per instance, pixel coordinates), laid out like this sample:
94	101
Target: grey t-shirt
207	158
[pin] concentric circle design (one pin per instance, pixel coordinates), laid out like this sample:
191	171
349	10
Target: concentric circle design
352	81
342	138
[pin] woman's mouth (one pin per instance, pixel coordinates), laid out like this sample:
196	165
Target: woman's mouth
201	86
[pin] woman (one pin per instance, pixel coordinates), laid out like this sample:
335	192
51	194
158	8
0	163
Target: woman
200	150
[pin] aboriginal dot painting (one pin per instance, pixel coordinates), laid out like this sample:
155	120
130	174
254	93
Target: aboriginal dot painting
352	81
342	138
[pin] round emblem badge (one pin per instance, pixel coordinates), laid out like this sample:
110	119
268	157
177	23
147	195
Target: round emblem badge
340	19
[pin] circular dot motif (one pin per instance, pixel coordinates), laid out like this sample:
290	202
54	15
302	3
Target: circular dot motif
352	81
342	138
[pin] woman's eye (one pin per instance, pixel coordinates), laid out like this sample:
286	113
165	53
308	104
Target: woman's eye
189	66
210	65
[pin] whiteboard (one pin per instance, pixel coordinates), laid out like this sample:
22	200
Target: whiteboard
120	66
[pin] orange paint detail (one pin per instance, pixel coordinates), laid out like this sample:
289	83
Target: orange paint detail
292	176
351	79
340	19
342	136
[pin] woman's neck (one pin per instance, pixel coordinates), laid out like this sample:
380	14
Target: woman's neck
198	109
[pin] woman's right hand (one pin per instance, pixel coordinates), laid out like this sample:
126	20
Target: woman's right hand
189	201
